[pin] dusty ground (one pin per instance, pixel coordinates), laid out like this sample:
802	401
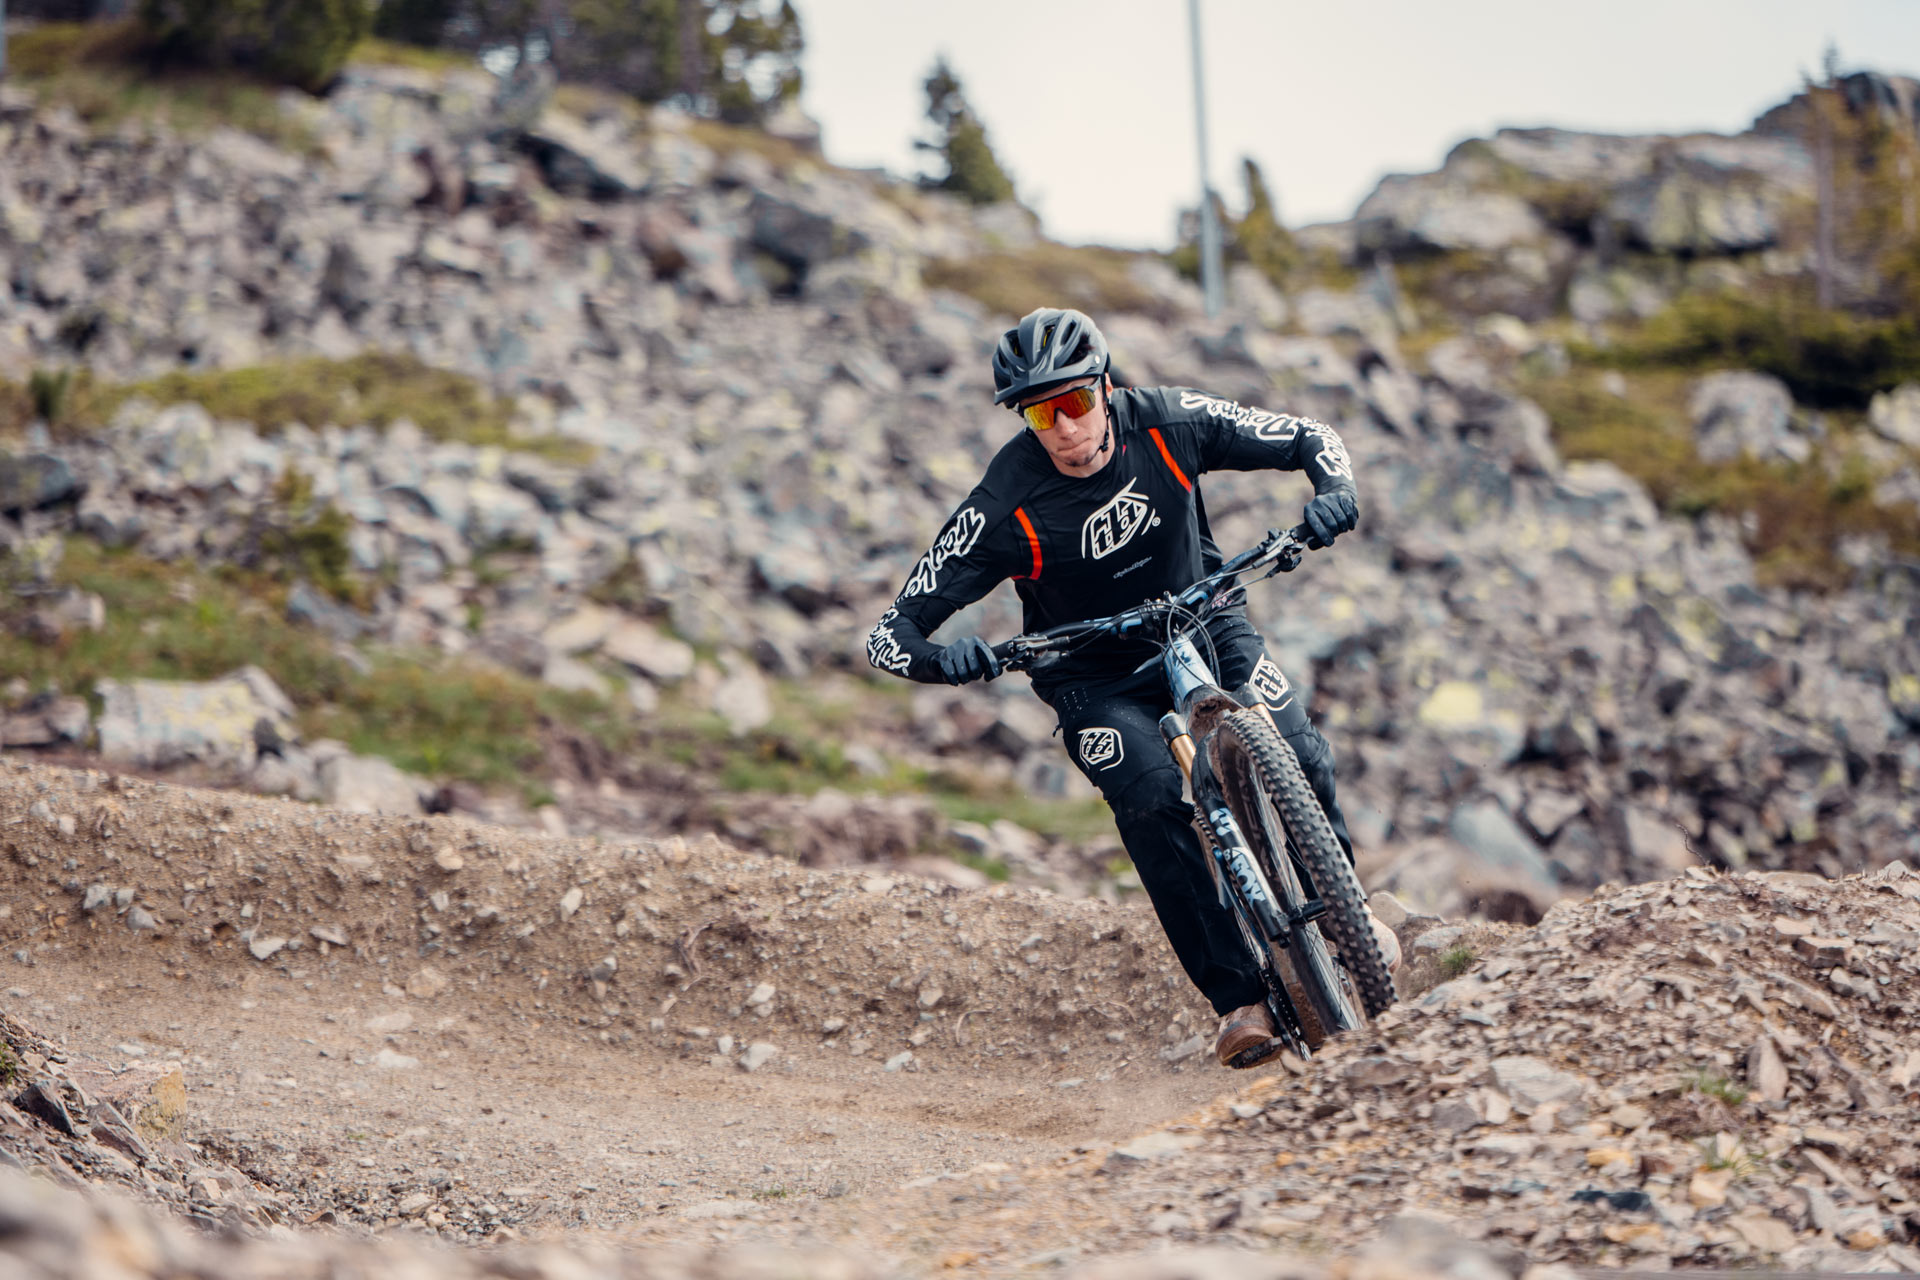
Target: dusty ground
577	1062
435	1026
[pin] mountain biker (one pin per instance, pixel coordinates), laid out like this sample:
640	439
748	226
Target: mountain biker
1092	509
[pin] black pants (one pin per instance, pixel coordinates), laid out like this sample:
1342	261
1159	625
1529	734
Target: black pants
1113	733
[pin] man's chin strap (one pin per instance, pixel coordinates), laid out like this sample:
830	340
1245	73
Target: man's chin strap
1106	440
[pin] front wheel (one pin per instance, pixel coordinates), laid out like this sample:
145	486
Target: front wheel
1270	798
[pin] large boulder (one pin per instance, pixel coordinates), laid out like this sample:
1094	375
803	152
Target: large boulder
1895	414
580	160
368	784
1748	414
1419	213
151	724
35	480
1691	212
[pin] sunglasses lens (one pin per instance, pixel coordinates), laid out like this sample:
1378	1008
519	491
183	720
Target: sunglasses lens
1075	403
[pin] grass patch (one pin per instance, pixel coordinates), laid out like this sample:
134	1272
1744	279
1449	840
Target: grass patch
392	53
440	716
1456	960
801	751
1714	1085
374	388
9	1064
1014	282
1794	515
104	71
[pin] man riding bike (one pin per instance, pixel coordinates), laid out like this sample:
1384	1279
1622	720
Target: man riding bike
1090	510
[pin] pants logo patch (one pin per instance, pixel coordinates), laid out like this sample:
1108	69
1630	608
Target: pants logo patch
1269	681
1101	748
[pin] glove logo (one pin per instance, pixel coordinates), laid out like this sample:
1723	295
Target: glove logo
1113	526
954	541
1270	682
1101	748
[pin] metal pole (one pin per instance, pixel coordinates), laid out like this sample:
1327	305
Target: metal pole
1209	220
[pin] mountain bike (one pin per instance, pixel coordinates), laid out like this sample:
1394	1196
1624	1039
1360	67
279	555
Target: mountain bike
1274	859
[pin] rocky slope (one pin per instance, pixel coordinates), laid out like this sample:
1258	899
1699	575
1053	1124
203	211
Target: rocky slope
1535	681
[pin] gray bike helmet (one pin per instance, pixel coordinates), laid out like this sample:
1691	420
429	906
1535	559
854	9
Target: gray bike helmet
1051	345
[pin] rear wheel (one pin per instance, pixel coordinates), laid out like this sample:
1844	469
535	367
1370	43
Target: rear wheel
1269	796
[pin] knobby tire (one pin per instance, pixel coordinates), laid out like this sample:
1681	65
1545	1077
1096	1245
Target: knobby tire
1277	772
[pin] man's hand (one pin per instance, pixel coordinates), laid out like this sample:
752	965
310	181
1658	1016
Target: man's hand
1332	514
968	659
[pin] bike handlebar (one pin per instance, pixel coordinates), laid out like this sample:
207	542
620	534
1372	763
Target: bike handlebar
1280	545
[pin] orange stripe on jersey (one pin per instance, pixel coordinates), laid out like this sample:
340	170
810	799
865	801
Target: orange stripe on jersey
1167	457
1033	539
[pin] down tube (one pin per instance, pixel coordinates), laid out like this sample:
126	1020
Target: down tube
1186	671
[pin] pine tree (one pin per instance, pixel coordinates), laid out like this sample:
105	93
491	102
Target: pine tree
973	171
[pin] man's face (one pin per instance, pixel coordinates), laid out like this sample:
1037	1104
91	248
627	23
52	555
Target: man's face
1073	443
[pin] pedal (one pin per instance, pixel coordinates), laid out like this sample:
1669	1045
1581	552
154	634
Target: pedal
1256	1055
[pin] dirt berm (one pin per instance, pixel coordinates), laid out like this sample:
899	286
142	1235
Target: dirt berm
434	1026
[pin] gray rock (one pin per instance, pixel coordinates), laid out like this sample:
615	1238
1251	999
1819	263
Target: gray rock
309	607
1745	414
1895	414
1530	1083
580	160
35	480
156	723
1510	863
758	1055
654	655
368	784
743	700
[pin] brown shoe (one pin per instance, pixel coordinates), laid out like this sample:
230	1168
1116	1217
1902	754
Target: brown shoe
1248	1027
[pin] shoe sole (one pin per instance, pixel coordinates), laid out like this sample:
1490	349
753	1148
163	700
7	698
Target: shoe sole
1256	1055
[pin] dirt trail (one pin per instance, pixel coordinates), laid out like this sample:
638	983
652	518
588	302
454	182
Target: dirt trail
434	1025
549	1034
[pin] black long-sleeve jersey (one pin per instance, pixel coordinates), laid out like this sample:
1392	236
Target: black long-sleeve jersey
1085	547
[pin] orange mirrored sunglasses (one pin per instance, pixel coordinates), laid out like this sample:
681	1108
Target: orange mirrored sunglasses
1074	403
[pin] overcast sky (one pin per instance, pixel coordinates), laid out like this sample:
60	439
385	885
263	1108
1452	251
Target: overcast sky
1090	105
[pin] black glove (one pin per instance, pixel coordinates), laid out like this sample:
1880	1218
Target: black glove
966	660
1331	514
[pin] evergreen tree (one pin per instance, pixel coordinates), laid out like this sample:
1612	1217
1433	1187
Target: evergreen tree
973	172
298	42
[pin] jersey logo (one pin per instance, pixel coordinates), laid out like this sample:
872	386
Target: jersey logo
956	540
1270	682
1101	748
1279	428
1113	526
883	646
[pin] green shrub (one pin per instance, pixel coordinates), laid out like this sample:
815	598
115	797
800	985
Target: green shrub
1456	960
107	74
1829	359
298	42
